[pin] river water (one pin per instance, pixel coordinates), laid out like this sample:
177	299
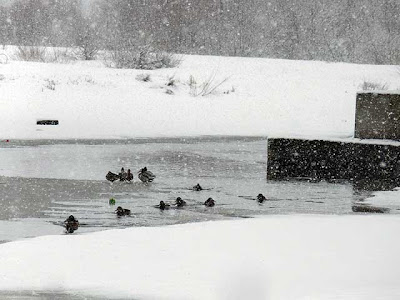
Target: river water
43	182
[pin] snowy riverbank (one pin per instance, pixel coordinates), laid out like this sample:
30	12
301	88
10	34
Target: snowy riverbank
259	97
275	257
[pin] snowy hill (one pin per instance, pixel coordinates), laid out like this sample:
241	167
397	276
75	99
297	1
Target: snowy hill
258	97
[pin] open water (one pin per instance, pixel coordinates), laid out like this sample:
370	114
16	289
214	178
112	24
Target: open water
43	182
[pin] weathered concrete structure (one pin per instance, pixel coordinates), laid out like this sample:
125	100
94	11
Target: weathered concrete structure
378	115
340	159
366	162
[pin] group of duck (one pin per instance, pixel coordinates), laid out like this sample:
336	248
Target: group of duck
71	223
144	175
179	203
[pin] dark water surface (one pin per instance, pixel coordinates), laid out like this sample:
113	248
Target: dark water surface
42	182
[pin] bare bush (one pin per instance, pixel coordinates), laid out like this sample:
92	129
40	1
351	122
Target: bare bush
192	86
60	55
87	50
374	86
143	58
143	77
31	53
50	84
171	81
205	88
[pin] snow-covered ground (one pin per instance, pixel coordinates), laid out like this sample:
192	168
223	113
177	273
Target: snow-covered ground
259	97
274	257
389	199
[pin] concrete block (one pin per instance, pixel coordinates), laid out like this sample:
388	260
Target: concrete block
328	160
378	115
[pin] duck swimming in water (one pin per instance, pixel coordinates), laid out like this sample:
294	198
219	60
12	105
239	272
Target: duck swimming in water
163	205
146	176
71	224
261	198
129	175
122	211
209	202
197	187
179	202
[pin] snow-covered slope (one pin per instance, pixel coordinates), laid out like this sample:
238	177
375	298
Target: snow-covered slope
276	257
259	97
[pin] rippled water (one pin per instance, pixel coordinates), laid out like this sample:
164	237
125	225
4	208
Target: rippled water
43	182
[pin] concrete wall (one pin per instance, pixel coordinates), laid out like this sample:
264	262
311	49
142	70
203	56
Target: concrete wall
319	159
377	116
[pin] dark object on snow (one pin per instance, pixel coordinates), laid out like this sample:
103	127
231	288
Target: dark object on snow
179	202
261	198
71	224
122	211
369	209
112	176
146	176
163	205
197	187
209	202
47	122
111	201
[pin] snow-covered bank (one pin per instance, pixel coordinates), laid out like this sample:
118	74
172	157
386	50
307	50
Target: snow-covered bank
260	97
389	199
277	257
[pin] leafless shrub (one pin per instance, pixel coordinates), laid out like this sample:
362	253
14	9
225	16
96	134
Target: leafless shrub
60	55
207	87
89	79
50	84
87	40
171	81
145	77
87	50
168	60
31	53
373	86
192	86
143	58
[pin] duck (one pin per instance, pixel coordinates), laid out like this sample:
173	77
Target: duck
71	224
122	211
122	174
210	202
179	202
112	176
197	187
261	198
129	175
163	205
146	176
